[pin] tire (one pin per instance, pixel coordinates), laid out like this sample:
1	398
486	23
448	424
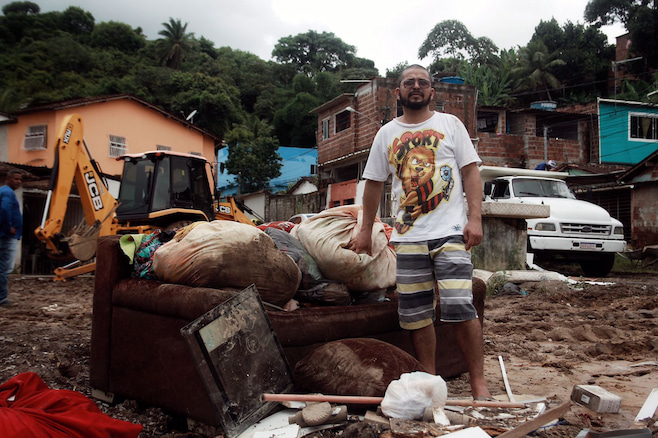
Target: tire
598	267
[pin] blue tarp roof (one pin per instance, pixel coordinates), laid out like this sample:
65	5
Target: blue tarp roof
296	164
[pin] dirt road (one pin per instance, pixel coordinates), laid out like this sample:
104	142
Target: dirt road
551	338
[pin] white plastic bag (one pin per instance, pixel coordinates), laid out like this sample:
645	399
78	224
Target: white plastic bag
408	397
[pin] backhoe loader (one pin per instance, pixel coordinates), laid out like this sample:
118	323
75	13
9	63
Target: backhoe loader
159	190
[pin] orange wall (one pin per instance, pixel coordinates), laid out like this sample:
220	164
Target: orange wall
142	127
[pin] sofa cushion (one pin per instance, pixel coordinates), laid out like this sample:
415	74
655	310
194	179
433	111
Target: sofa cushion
169	300
359	366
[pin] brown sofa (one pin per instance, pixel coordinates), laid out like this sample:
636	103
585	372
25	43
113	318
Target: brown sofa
138	352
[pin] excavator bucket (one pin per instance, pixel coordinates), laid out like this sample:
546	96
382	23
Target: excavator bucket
83	247
82	240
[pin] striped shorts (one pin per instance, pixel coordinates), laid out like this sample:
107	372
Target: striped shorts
422	265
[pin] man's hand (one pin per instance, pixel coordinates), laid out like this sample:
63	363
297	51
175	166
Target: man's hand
361	242
473	234
12	231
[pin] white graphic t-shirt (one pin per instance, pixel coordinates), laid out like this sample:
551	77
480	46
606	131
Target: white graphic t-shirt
425	160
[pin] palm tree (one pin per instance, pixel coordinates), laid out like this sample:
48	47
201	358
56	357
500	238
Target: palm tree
534	68
175	44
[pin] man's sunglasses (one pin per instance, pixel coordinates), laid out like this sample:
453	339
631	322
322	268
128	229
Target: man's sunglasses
423	84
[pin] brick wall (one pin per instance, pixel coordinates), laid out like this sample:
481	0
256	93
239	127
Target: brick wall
523	147
376	101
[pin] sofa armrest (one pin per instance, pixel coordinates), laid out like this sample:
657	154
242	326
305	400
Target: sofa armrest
112	265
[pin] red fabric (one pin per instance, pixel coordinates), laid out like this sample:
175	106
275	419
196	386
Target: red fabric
28	408
281	225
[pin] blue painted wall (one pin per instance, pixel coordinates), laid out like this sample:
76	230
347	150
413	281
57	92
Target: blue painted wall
617	146
296	163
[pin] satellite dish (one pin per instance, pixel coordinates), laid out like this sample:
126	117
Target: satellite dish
190	115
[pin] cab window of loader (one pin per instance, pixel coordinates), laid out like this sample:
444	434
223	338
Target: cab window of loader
200	183
162	197
180	180
135	191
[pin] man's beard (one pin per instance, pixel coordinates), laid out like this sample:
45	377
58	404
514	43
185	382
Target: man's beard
416	105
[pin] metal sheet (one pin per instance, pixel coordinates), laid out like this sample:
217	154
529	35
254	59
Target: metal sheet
239	358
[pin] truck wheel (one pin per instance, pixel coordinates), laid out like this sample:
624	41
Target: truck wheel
599	267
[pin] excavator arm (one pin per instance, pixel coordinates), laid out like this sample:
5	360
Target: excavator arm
73	162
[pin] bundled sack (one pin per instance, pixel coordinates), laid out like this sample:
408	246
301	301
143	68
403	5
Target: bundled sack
358	366
326	235
228	254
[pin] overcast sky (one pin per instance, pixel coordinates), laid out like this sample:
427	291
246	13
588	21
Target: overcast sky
385	31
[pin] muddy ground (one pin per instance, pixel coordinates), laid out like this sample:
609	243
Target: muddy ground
551	337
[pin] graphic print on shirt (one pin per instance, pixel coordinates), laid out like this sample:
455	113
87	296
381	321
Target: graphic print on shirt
425	183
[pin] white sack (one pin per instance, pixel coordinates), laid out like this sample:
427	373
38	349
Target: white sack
326	235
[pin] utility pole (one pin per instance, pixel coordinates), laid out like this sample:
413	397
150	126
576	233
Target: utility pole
614	69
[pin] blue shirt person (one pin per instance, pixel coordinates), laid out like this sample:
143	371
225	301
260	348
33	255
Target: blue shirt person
11	229
549	165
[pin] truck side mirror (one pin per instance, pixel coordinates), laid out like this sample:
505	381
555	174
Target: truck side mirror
488	188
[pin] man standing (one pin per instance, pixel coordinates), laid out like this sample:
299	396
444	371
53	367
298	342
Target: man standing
11	228
433	162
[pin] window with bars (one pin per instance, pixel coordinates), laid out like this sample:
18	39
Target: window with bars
643	126
36	138
117	146
325	129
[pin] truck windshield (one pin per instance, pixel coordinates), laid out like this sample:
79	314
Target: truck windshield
525	188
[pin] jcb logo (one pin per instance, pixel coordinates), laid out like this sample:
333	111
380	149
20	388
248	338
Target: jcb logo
225	210
93	191
67	134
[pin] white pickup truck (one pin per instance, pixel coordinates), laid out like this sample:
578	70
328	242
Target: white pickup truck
576	230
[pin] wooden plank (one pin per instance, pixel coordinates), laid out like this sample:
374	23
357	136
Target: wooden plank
649	407
510	396
537	422
356	399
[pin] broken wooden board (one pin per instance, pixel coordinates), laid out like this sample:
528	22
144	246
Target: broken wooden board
649	407
529	426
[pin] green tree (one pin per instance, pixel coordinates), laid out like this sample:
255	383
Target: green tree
535	66
494	85
247	72
119	36
176	43
252	155
396	71
217	103
77	21
586	55
640	17
313	52
450	38
21	8
294	124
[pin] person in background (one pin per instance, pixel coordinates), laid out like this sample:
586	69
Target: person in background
11	228
433	163
549	165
